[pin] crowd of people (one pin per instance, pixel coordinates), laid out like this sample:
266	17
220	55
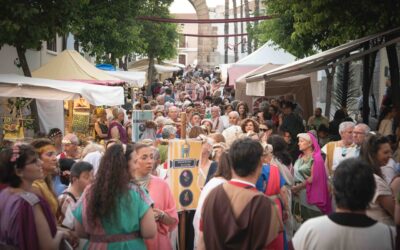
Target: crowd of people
269	178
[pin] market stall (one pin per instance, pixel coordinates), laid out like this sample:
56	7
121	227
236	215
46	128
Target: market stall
164	70
49	95
266	54
70	65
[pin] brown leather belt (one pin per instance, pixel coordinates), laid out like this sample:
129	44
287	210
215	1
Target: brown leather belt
98	238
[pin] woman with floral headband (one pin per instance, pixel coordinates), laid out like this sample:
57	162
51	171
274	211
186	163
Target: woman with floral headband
26	220
44	187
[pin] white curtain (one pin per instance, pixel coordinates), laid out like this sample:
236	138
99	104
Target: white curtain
51	115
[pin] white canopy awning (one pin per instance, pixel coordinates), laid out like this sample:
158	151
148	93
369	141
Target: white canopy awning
20	86
327	59
267	53
166	69
133	78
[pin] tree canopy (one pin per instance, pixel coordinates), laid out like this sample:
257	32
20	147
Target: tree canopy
25	24
159	39
108	29
304	27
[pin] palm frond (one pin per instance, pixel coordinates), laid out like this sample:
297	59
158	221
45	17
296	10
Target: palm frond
346	90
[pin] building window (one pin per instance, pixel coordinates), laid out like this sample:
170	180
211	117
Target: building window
182	41
52	44
182	59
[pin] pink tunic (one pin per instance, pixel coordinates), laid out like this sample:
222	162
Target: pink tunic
161	194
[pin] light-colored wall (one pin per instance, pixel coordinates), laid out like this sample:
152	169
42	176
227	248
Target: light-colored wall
191	43
219	12
35	59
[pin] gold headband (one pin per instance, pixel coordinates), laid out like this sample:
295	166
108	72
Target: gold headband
46	148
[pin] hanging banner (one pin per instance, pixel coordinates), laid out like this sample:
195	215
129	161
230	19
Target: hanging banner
80	122
139	118
183	162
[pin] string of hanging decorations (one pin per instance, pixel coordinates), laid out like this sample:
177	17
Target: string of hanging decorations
222	35
221	20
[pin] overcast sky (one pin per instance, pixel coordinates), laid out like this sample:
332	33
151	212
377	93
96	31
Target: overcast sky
183	6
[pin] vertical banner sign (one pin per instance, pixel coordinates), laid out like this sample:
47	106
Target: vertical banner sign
80	122
183	162
139	119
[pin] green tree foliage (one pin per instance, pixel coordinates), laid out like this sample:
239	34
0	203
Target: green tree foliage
159	40
108	29
25	24
280	30
305	26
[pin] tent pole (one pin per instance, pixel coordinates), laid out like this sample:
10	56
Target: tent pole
70	115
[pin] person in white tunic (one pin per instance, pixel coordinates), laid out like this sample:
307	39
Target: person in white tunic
337	151
349	227
222	175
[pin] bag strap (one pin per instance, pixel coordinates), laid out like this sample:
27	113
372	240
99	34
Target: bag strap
70	195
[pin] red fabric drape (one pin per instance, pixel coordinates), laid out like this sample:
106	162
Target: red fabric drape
221	20
205	35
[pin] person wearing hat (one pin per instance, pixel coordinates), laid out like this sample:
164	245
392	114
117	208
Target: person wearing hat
81	175
311	181
71	147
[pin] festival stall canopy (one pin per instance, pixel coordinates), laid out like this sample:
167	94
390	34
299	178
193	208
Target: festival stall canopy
20	86
143	65
266	54
133	78
70	65
263	68
299	86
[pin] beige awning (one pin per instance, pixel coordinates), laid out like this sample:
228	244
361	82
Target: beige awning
70	65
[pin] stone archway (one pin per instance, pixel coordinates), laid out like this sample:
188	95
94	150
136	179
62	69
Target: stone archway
205	45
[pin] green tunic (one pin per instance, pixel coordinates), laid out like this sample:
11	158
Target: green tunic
302	170
130	210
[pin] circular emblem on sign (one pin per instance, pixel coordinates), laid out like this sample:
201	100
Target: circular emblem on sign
186	197
186	178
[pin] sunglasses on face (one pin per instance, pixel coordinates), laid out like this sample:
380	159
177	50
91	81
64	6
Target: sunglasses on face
264	129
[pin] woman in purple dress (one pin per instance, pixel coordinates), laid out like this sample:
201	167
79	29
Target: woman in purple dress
25	218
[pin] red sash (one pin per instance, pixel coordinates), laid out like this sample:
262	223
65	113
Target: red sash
273	189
